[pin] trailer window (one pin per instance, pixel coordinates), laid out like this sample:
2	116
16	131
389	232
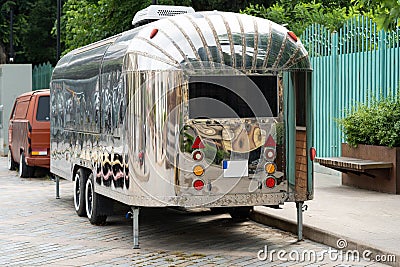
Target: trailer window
43	109
233	96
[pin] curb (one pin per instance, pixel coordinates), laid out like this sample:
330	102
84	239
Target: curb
321	236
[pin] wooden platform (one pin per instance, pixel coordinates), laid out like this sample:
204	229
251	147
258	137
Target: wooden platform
353	164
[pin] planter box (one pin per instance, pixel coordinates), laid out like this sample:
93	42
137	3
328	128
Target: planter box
382	180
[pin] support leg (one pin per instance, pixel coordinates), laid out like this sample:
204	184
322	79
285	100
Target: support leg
57	186
299	206
135	215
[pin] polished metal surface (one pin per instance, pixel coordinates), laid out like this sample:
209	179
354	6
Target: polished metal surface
120	108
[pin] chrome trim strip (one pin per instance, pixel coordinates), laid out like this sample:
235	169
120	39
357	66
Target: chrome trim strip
254	65
217	42
231	43
279	56
158	47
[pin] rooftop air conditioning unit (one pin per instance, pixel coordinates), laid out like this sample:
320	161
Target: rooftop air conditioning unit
156	12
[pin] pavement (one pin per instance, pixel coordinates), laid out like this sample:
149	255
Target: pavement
362	219
38	230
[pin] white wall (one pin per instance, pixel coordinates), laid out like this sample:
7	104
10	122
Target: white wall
15	79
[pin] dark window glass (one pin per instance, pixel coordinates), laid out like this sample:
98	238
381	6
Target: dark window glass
300	83
233	96
43	110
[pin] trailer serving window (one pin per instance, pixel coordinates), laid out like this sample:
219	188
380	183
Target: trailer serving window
233	96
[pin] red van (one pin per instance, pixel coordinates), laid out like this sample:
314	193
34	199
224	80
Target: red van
29	133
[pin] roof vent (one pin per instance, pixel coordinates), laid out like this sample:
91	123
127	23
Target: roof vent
156	12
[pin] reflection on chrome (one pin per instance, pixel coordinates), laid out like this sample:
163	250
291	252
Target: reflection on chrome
130	108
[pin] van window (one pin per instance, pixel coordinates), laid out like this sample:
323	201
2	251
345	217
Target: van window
21	109
43	109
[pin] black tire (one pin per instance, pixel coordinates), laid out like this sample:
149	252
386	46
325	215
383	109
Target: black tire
79	193
11	164
240	213
24	170
94	211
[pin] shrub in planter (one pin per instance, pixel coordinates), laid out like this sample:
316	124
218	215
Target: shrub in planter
372	132
374	124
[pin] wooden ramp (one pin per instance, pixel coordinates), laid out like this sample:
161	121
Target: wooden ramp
352	164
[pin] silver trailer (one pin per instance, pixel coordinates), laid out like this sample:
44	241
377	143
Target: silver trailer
199	109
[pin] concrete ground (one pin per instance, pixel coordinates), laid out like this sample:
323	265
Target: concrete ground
364	219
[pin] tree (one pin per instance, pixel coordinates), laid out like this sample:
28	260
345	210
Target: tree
20	23
226	5
39	45
87	21
386	13
299	15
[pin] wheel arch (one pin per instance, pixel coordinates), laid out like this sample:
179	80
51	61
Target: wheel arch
85	170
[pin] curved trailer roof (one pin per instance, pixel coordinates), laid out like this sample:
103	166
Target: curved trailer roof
201	40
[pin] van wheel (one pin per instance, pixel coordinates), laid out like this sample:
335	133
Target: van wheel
24	170
240	213
93	204
11	164
79	193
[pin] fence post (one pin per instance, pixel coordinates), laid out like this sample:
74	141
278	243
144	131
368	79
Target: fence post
382	62
335	94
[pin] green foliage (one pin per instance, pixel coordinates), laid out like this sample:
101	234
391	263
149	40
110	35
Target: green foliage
20	23
386	13
38	44
377	124
299	15
87	21
225	5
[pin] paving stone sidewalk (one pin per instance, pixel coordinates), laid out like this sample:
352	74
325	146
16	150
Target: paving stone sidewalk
38	230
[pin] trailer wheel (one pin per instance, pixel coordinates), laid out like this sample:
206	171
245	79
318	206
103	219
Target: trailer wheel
79	193
93	204
24	170
11	164
240	213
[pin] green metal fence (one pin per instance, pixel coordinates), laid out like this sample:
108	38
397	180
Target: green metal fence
350	66
41	76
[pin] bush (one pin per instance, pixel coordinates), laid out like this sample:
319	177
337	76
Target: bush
299	15
376	124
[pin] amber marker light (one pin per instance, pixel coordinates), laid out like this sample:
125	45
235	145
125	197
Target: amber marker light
198	170
270	168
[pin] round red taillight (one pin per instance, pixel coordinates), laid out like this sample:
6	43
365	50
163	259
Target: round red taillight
197	155
313	153
198	184
270	182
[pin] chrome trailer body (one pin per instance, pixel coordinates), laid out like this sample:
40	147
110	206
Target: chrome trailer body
127	109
